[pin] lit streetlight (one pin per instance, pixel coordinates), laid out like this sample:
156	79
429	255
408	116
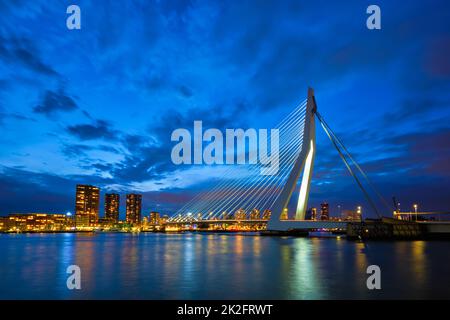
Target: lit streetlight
359	212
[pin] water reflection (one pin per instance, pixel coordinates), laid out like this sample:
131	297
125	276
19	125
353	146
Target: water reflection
217	266
304	284
419	262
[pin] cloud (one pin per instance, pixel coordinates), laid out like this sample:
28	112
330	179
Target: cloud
185	91
149	155
85	154
31	61
229	65
14	116
75	150
44	192
55	101
425	152
99	130
22	52
4	84
437	62
16	185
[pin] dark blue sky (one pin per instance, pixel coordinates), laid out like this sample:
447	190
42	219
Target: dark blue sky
98	105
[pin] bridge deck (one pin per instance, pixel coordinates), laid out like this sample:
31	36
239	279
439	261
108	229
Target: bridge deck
289	224
216	221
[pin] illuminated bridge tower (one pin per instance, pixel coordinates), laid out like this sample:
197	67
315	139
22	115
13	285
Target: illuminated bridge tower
304	162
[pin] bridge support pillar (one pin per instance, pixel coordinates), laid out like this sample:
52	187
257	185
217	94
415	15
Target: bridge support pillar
305	162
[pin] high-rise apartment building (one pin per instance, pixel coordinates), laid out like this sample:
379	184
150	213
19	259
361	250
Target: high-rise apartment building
112	202
87	205
255	214
311	214
154	217
324	211
134	208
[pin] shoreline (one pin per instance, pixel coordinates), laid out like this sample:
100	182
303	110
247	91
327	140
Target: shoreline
320	235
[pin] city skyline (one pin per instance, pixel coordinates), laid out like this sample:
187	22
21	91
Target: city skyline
97	106
112	214
214	159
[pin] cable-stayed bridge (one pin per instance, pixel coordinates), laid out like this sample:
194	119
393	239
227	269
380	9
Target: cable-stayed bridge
244	195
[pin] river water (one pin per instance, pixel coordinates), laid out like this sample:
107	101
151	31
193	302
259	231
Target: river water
218	266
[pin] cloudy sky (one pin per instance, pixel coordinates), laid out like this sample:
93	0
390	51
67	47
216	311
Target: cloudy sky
98	105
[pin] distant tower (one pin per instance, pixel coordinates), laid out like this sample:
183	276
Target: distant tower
284	215
255	214
112	201
134	208
311	214
240	215
154	217
314	214
324	211
87	205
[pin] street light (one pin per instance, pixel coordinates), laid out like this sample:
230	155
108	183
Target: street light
415	209
358	212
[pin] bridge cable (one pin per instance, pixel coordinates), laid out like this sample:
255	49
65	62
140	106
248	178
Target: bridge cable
369	182
211	192
240	185
368	198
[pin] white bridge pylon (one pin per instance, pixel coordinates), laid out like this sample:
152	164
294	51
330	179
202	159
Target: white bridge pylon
241	192
242	195
304	163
